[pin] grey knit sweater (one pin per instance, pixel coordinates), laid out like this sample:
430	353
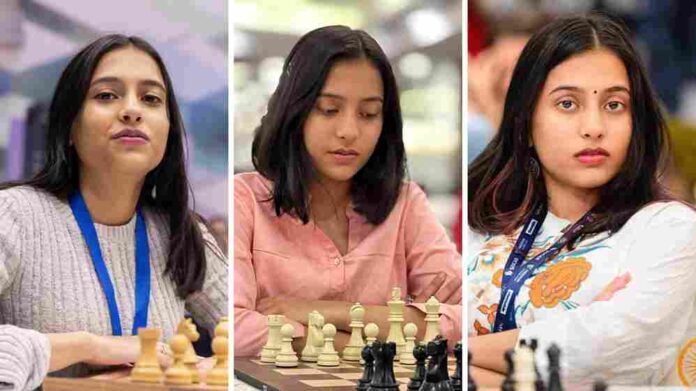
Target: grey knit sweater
48	282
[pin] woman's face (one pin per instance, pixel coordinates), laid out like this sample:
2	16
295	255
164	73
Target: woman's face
582	123
123	125
343	128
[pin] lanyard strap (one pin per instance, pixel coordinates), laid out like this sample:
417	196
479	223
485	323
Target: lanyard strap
516	273
142	265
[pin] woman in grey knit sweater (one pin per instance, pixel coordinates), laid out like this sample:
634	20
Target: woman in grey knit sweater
102	241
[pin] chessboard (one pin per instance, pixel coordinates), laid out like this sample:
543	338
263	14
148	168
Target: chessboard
311	377
118	380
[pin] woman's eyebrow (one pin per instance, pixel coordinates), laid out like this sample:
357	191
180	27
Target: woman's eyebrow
341	97
616	88
113	79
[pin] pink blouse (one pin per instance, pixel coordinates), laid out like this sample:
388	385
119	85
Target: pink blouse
280	256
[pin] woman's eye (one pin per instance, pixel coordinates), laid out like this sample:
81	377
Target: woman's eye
370	115
614	106
566	105
152	99
328	110
106	96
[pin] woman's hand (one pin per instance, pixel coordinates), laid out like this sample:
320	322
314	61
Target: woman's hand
445	290
72	348
614	286
113	350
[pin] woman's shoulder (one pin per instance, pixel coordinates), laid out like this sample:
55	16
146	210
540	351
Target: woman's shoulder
661	219
25	198
252	184
663	212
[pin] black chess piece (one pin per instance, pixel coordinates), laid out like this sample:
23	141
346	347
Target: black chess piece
437	377
509	382
539	382
418	377
554	354
599	385
472	385
456	379
368	369
383	377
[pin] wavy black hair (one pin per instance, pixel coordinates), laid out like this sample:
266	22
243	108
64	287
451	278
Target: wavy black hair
59	175
278	150
502	188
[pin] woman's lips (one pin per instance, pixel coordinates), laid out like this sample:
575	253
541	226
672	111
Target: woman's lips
344	156
592	157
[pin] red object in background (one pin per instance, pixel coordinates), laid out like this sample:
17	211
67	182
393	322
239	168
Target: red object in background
457	227
477	29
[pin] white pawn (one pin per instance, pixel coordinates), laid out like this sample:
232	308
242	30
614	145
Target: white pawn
524	375
328	356
315	339
355	345
286	358
371	331
432	319
406	357
272	346
396	318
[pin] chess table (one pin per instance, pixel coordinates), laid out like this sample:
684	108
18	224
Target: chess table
311	377
116	381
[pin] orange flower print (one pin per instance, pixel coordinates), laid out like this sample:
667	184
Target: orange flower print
480	329
558	282
497	279
490	311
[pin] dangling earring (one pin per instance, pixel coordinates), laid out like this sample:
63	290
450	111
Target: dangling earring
534	167
154	192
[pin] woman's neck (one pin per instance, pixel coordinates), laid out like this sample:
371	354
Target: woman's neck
328	199
570	203
111	198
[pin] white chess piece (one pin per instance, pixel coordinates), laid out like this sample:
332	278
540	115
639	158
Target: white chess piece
355	345
315	338
272	346
432	319
328	356
396	319
525	375
371	332
286	358
406	357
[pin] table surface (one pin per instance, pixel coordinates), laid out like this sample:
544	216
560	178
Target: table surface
115	381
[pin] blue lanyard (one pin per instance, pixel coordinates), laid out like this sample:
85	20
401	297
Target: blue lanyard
142	265
516	273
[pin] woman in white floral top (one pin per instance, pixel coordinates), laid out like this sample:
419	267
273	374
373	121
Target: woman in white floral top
572	241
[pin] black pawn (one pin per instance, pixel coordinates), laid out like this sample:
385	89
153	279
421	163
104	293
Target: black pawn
416	380
554	354
509	382
383	377
539	382
599	385
458	372
368	369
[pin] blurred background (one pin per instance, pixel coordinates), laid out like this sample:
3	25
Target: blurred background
38	38
423	40
664	31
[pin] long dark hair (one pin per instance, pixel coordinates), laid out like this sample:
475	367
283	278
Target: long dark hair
502	187
278	150
59	175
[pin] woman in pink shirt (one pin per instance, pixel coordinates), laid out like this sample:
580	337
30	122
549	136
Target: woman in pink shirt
328	219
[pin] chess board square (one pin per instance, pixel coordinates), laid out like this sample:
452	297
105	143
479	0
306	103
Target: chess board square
328	383
299	371
348	376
